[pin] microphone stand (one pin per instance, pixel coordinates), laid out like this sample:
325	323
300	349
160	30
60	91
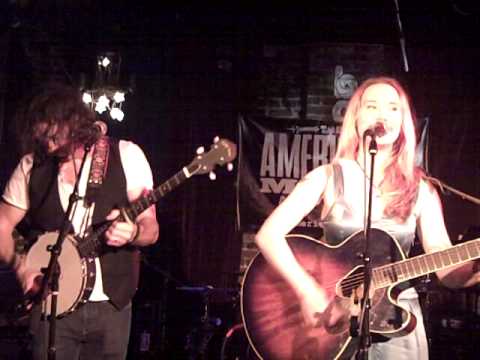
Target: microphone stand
364	327
52	272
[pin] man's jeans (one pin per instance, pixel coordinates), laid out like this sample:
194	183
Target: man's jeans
96	330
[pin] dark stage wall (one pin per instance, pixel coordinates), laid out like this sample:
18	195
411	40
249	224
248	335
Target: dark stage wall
191	85
189	89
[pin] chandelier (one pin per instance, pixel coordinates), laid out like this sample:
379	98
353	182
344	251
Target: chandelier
106	95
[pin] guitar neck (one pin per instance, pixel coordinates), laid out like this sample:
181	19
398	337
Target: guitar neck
425	264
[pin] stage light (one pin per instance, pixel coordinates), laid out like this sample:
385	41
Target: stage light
87	98
105	62
119	97
117	114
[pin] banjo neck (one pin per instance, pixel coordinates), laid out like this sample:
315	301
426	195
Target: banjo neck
221	152
92	244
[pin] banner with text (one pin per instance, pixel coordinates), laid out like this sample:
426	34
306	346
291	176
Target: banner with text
275	154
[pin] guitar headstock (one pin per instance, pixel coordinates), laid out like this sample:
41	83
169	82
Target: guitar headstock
221	152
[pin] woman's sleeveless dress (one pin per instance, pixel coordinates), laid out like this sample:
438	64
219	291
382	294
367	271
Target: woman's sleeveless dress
338	223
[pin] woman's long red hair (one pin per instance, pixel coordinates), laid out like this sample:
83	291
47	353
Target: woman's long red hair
401	175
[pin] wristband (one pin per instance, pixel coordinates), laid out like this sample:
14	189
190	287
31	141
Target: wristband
135	237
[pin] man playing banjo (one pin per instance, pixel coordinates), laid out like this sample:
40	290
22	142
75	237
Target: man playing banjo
58	130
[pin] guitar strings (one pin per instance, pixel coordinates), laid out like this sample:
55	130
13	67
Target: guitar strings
349	284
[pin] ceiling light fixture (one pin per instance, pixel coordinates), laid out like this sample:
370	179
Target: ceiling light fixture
106	95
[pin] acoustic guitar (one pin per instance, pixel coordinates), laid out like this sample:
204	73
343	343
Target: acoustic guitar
271	312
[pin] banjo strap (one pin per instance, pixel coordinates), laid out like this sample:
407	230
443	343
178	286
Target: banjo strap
98	169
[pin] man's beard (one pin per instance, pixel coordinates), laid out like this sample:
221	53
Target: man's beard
62	153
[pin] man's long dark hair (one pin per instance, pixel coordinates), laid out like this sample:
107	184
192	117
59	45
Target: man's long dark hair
59	105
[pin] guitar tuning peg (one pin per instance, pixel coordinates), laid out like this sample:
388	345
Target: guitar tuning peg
212	175
216	139
200	150
229	166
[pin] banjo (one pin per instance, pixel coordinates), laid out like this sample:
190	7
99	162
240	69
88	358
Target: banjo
77	259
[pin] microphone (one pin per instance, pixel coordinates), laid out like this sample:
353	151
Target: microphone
376	130
99	128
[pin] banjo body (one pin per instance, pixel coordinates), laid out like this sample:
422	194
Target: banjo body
77	273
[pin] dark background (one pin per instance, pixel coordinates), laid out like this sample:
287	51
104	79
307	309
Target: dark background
194	68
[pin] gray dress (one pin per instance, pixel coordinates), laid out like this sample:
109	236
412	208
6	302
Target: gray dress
338	223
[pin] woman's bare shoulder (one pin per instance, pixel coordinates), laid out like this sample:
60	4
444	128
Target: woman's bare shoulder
320	172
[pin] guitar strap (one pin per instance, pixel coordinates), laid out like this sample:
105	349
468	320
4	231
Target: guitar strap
337	180
98	169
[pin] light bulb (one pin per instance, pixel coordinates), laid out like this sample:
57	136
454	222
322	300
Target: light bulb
119	97
103	100
87	98
105	62
117	114
100	107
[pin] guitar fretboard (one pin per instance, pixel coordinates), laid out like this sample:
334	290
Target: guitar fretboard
425	264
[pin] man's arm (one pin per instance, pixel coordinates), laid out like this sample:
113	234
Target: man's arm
144	231
147	228
10	216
